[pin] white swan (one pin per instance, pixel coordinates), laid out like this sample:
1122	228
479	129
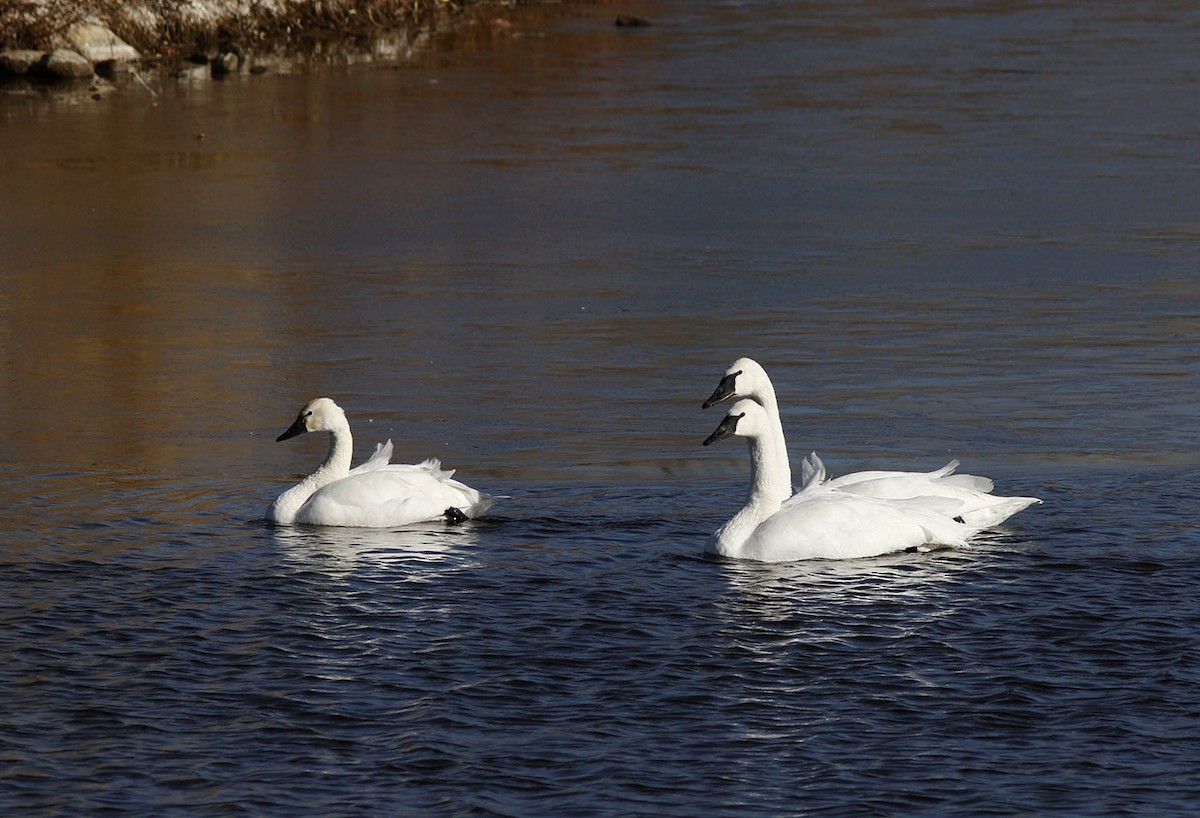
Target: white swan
819	522
745	378
376	494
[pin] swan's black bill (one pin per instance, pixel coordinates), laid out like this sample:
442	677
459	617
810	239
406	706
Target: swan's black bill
296	428
726	429
725	390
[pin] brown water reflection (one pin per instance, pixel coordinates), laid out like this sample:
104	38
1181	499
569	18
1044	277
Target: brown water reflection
524	247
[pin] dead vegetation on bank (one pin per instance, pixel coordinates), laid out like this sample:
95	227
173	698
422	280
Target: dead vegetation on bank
165	27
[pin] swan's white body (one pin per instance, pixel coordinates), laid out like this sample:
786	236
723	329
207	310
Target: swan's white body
857	515
375	494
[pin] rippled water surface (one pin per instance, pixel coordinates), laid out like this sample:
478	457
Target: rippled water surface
530	247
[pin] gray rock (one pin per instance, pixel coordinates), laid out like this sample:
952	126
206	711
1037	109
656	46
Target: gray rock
98	44
18	63
111	69
62	63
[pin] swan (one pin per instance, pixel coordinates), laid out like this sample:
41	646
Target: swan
979	508
821	521
376	494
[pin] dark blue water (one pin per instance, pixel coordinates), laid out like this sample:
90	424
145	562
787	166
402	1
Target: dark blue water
531	251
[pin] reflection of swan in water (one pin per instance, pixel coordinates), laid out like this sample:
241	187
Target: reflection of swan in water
821	521
428	549
376	494
835	601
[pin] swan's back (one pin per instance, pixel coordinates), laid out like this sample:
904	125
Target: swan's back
393	495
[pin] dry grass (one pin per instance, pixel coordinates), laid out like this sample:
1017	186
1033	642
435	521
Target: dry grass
164	26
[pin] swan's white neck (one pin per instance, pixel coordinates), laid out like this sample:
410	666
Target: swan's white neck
767	493
782	469
336	466
766	396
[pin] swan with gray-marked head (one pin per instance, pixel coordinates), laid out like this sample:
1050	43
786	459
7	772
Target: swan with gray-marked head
376	494
978	507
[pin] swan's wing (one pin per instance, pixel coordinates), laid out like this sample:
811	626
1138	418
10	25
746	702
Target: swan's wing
945	476
835	525
431	465
944	471
960	495
383	453
898	486
970	482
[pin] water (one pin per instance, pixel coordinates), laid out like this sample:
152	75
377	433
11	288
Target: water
531	250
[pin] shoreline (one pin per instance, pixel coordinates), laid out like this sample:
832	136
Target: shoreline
105	38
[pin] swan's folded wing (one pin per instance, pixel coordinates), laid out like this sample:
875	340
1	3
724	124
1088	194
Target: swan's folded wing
395	495
835	525
970	482
898	486
960	496
433	466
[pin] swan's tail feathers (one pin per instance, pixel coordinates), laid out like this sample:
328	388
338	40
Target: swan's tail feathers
995	513
482	505
812	471
477	503
474	503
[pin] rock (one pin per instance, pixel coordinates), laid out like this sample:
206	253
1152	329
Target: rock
227	62
18	63
111	69
98	44
64	64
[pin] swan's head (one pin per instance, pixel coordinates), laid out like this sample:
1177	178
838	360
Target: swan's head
744	378
318	415
746	418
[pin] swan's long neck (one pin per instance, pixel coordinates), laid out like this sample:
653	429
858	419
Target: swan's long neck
766	494
336	466
781	477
